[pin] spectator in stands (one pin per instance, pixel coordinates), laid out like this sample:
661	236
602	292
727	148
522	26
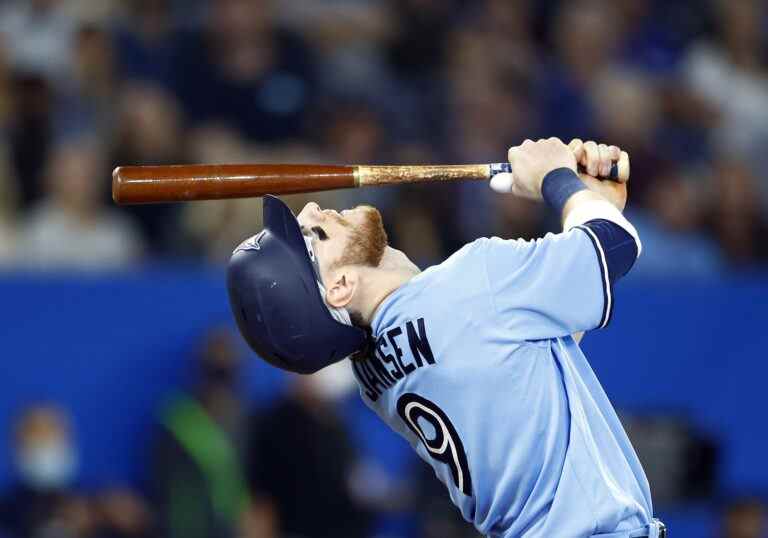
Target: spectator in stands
149	131
674	242
150	125
42	503
8	183
244	72
745	518
71	228
654	35
584	36
301	461
8	196
5	83
8	209
30	133
418	46
506	30
123	514
349	38
86	102
144	41
628	113
199	484
730	72
737	219
40	35
90	12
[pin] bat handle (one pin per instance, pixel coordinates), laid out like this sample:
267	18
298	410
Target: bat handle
500	168
619	169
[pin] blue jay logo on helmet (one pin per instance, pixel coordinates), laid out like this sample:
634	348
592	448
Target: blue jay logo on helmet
277	298
252	243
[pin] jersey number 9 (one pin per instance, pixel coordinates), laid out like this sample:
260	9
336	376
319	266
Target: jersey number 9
441	439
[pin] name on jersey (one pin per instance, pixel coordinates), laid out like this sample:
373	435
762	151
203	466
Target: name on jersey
390	361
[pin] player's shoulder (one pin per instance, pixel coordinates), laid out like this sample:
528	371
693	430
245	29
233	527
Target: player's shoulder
497	245
476	254
482	247
469	253
461	264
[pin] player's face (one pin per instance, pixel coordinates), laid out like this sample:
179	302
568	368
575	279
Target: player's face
352	237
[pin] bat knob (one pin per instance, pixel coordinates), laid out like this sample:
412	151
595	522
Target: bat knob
620	169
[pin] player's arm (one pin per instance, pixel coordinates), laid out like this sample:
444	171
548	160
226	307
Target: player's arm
563	283
597	159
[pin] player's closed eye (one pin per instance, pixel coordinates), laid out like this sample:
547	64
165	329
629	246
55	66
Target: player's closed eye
320	233
317	230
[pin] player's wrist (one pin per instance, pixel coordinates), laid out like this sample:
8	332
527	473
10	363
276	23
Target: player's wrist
559	185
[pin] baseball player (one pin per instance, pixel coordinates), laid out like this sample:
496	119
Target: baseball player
474	361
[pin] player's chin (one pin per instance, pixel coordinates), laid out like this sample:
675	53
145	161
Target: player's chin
365	217
367	210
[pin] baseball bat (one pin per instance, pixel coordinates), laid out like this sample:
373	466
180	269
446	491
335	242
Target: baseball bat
183	183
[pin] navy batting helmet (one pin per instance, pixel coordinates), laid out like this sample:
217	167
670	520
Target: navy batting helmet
274	291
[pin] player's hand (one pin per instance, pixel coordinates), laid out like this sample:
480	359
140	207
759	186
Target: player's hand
530	162
597	159
591	157
613	191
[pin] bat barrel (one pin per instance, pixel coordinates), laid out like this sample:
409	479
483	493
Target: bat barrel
182	183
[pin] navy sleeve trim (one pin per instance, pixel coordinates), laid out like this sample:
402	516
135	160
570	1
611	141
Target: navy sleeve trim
617	251
607	288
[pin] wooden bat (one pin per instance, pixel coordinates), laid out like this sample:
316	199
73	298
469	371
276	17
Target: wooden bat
183	183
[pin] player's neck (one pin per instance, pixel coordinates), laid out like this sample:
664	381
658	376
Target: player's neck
394	271
396	260
384	284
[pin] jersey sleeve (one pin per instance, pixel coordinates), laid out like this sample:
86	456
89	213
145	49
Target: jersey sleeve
559	284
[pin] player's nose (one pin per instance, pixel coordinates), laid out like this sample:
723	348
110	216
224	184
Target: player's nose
311	211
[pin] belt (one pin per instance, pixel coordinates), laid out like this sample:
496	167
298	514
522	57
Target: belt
656	529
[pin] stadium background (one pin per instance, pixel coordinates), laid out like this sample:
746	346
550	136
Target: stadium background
115	329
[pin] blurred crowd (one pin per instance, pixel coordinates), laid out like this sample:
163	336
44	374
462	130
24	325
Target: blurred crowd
84	86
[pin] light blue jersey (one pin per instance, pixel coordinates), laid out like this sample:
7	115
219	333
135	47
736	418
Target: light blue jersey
475	366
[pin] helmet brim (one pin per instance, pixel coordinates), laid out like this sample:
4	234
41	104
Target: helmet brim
280	221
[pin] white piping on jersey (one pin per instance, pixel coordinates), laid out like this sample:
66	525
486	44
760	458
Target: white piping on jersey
606	280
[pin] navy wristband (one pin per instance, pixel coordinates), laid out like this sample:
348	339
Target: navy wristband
559	185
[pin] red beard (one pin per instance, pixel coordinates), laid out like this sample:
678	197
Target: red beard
367	241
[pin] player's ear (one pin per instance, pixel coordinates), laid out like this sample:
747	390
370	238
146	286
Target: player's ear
342	289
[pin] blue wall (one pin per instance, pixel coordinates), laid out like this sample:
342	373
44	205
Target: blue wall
699	348
110	348
107	348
